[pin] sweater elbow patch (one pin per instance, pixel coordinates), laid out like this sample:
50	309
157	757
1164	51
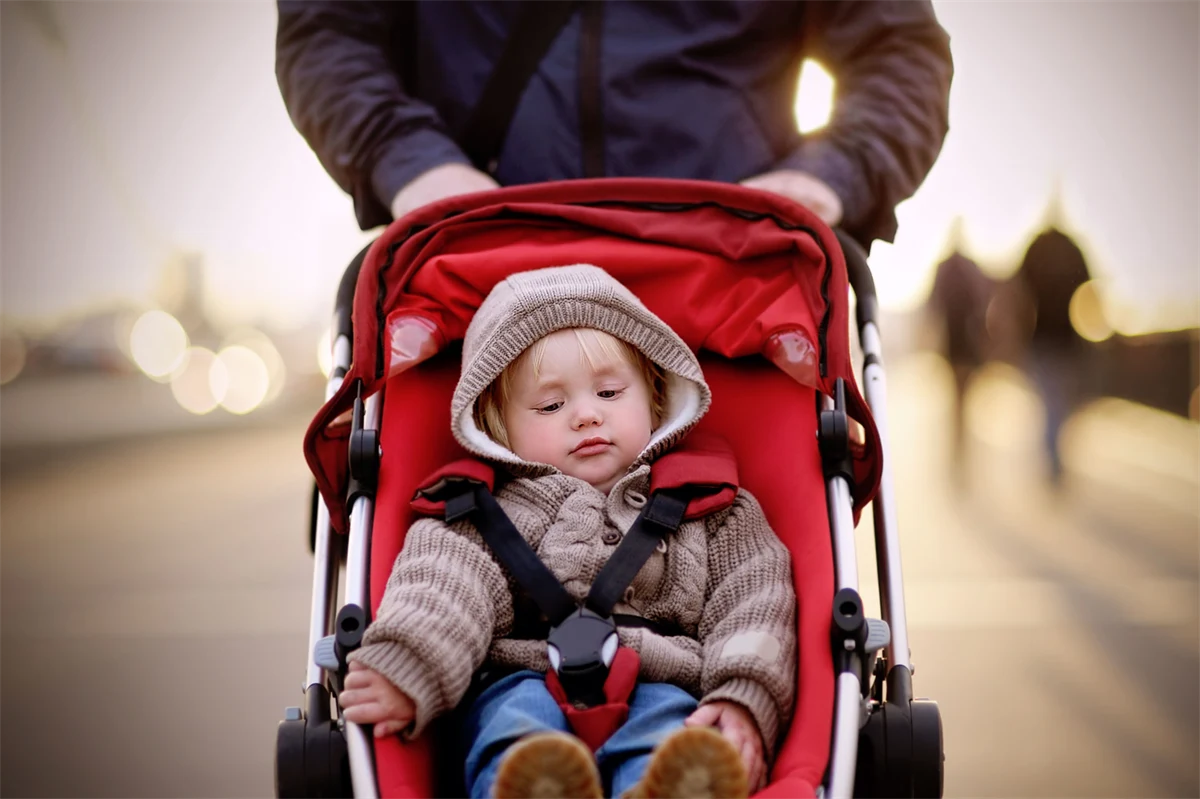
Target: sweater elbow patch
763	646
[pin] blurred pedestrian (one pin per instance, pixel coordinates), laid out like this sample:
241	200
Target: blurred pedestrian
399	100
957	306
1052	271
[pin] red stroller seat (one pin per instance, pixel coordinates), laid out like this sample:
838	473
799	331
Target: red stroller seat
738	274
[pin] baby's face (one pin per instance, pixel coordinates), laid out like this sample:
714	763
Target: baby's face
590	423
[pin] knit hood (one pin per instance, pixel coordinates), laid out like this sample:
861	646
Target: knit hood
527	306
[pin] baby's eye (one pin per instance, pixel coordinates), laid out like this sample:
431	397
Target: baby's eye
551	408
608	393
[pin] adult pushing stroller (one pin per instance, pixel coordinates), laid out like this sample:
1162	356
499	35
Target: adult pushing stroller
759	288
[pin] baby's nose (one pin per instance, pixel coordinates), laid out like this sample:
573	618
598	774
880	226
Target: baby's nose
586	417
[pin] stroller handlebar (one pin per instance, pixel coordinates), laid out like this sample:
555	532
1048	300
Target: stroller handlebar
344	305
859	273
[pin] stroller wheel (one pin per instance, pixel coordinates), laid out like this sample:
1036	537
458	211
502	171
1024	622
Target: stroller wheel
928	765
900	751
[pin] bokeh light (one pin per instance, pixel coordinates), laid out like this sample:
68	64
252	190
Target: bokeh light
262	346
325	352
814	97
12	358
200	385
1087	313
158	344
246	376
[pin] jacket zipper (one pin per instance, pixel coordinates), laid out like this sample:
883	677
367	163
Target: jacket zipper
591	112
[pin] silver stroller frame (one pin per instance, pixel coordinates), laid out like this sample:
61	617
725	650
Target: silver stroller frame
882	745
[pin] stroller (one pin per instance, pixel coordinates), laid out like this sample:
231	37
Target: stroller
760	289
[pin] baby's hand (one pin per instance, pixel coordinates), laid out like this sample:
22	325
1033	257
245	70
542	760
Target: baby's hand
368	698
739	729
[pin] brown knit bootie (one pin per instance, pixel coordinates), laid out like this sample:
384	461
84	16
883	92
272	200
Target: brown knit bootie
548	765
693	763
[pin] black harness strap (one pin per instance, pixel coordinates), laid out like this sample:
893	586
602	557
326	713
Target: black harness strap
662	516
511	548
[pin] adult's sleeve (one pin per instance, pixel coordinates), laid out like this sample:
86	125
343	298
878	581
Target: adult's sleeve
892	66
446	599
337	67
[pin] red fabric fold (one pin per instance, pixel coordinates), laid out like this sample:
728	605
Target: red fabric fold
427	499
705	463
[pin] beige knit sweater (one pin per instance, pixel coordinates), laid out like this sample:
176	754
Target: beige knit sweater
724	580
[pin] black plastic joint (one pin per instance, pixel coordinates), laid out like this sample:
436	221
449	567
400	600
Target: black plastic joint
316	705
364	457
833	437
579	642
899	686
849	629
350	625
364	453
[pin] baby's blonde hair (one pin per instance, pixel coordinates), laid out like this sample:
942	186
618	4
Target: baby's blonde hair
599	349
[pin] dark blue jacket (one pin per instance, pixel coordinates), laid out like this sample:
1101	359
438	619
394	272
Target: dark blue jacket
701	90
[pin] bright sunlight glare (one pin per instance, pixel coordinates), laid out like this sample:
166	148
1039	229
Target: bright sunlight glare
814	97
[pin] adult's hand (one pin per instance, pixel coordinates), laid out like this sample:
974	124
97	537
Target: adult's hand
447	180
806	189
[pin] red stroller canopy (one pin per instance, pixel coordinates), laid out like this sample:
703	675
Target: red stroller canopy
733	271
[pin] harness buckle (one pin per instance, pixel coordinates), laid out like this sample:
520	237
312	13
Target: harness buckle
581	648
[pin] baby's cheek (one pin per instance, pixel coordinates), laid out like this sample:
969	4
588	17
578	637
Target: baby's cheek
534	443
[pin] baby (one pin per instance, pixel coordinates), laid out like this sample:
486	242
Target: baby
573	389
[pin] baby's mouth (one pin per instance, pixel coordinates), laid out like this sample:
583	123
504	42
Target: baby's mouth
591	446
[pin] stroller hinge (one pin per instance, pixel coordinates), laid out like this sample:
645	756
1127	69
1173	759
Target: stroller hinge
833	437
364	454
849	631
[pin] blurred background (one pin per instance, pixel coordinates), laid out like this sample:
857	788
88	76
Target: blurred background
169	253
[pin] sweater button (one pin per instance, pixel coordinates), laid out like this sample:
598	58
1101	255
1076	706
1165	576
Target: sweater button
611	537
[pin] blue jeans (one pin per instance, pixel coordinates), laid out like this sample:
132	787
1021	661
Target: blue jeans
519	705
